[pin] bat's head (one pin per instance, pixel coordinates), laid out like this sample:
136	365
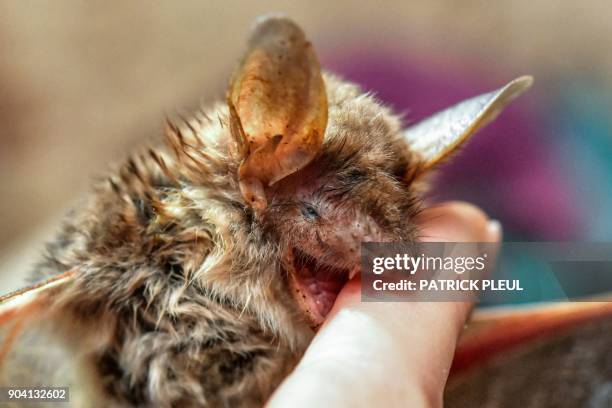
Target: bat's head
359	186
326	167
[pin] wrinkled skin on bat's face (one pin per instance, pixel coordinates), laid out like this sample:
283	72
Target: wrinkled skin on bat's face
347	195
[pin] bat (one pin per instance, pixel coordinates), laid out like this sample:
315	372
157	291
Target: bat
198	272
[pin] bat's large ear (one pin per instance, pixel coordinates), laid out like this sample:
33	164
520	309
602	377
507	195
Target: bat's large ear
437	136
278	106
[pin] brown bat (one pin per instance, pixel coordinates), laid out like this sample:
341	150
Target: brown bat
196	274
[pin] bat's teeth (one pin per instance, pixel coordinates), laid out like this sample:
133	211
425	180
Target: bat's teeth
354	272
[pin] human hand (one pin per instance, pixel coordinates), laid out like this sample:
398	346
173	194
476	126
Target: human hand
388	354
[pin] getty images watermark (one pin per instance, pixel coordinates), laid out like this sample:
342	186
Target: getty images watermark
492	273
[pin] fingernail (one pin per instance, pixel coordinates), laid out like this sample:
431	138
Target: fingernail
494	230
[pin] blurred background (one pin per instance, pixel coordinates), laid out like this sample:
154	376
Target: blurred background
81	83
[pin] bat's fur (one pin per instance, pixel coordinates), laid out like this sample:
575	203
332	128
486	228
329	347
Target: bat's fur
180	283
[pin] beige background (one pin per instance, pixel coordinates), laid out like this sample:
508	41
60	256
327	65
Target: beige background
81	82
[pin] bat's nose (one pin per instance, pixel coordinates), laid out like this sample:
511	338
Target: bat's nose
347	236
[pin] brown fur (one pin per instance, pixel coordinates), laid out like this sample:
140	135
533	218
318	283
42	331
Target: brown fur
181	283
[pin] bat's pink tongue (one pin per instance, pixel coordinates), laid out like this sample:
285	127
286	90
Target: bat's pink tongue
315	303
316	286
324	287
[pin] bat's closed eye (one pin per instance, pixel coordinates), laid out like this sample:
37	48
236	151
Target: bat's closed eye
310	212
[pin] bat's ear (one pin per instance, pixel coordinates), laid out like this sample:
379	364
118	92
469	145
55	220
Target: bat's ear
437	136
278	106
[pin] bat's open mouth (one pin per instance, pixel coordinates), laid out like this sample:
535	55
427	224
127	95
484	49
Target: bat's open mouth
315	285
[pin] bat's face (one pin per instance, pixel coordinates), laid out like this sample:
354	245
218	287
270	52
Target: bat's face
354	190
326	167
323	221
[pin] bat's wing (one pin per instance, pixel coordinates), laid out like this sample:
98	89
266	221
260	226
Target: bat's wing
491	332
24	305
556	353
14	304
35	348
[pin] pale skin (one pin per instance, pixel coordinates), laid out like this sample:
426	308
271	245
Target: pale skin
388	354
